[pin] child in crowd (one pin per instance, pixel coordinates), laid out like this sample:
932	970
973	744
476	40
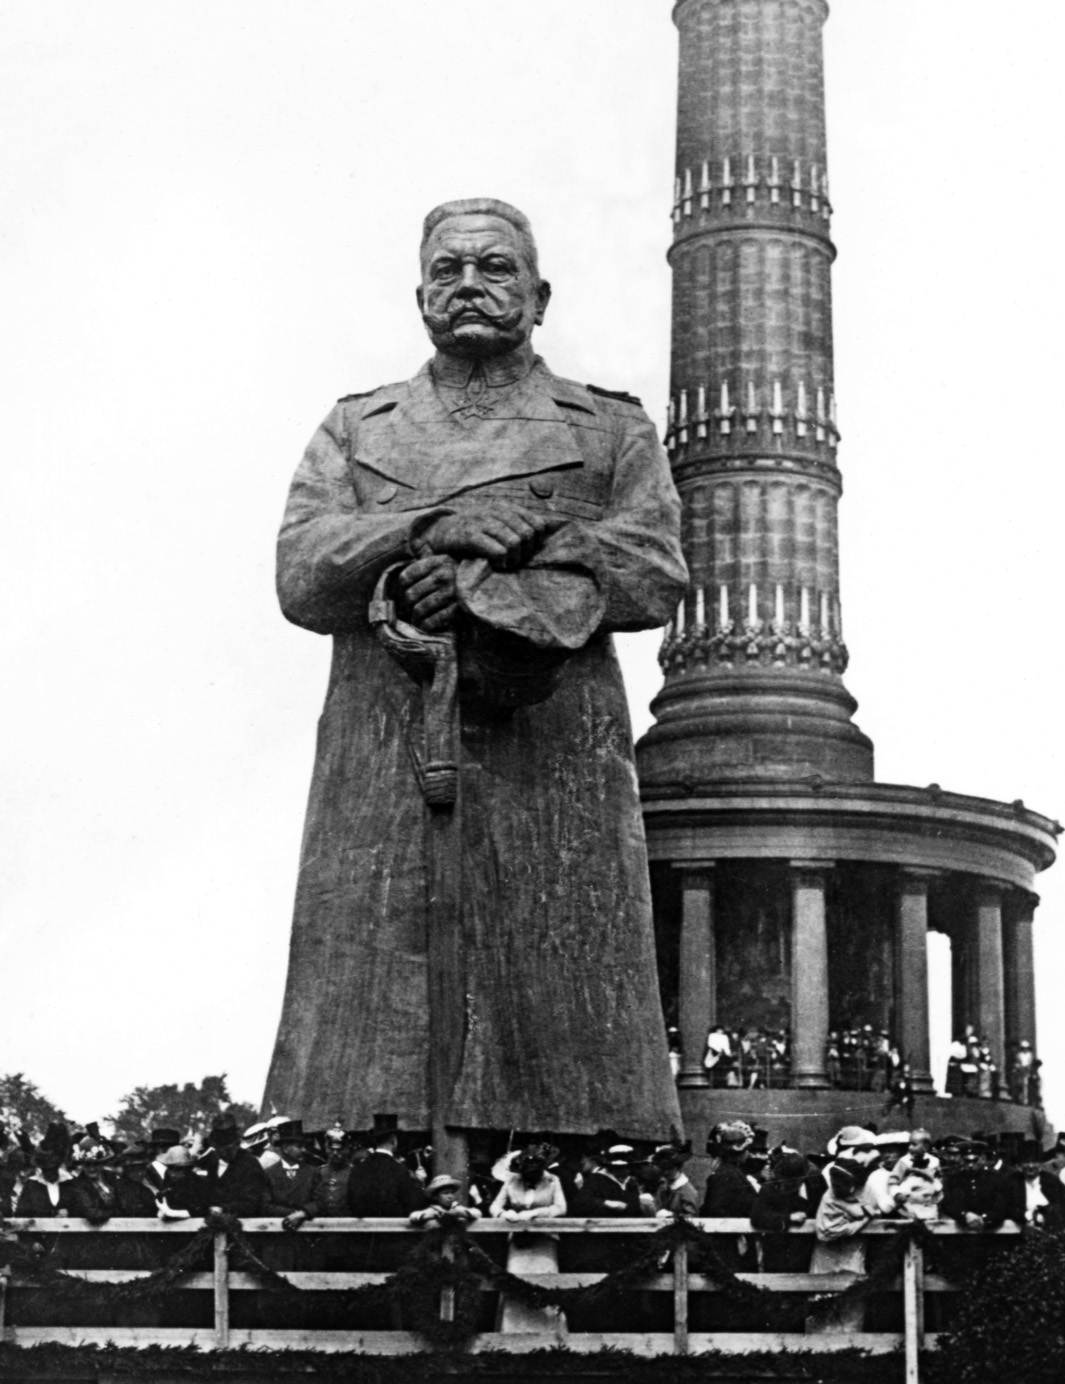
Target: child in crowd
917	1174
445	1205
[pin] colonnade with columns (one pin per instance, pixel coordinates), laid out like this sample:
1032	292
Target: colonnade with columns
990	925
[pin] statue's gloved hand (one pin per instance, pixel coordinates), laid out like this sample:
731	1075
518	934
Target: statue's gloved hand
427	596
505	534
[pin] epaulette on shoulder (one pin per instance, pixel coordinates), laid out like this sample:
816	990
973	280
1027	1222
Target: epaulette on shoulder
350	398
618	394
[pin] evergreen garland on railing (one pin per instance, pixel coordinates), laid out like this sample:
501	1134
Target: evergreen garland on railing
31	1263
446	1257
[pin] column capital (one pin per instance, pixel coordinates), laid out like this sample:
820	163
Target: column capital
1022	904
811	868
991	891
912	879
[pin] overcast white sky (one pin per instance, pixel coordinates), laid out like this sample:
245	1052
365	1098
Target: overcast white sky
209	224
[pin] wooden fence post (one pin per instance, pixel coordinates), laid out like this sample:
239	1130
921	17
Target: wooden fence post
221	1290
912	1294
447	1292
680	1299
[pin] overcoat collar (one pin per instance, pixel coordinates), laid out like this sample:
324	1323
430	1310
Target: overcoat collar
407	434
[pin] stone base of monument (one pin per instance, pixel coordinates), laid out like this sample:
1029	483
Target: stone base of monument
807	1119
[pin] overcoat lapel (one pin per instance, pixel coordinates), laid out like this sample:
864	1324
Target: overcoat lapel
408	436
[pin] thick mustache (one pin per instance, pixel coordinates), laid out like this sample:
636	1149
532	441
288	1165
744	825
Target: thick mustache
450	316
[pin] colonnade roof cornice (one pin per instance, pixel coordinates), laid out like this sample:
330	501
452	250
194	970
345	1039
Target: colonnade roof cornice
885	825
932	802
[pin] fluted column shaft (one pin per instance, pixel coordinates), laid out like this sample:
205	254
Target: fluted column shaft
809	973
752	302
755	654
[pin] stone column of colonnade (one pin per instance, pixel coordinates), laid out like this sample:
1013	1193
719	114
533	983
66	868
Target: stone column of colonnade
988	988
996	961
1019	960
809	973
911	953
809	987
698	979
994	970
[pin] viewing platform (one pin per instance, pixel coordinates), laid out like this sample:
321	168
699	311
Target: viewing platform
232	1301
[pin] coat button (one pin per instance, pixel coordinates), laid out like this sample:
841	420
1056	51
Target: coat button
542	486
386	493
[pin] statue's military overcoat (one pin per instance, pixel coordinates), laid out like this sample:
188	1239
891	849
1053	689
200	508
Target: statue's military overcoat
563	1025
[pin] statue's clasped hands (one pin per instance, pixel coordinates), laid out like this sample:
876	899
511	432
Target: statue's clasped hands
507	535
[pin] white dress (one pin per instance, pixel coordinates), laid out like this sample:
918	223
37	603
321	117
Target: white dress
531	1253
839	1222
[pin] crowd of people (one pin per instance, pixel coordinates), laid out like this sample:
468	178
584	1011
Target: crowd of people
748	1058
863	1058
276	1169
972	1070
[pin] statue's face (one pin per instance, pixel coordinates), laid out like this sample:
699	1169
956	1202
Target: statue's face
479	296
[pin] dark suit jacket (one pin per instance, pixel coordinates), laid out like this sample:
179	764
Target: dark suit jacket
598	1189
774	1202
241	1190
134	1197
189	1192
1052	1189
728	1193
985	1193
153	1178
772	1208
285	1194
381	1186
34	1200
91	1201
7	1190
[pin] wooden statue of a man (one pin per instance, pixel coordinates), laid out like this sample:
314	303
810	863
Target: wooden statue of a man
523	517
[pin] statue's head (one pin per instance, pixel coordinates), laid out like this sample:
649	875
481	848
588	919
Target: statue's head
481	293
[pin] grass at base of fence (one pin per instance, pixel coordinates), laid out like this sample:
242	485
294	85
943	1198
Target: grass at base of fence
73	1364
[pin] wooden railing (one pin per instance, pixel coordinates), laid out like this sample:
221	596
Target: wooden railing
223	1281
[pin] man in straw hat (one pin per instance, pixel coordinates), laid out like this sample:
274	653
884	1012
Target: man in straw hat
471	538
